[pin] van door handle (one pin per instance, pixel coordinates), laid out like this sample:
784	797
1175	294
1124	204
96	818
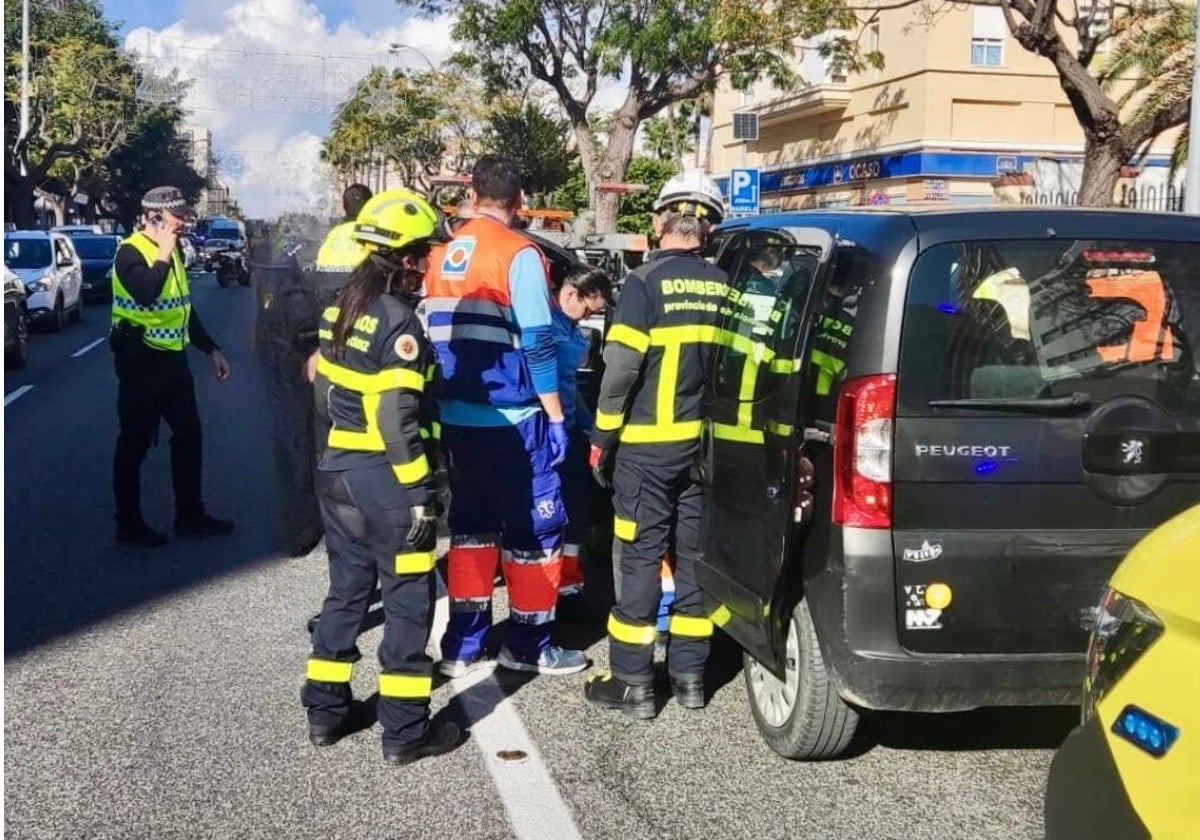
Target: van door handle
812	435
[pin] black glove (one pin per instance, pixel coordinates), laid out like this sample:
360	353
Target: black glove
423	533
600	460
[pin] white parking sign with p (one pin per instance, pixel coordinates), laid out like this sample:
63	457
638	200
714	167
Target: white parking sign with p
743	190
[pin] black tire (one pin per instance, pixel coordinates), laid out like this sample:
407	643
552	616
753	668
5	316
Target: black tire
802	717
244	278
77	311
58	318
18	355
222	278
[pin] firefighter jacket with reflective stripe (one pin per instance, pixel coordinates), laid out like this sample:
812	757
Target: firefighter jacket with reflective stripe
378	393
468	306
667	322
832	341
166	320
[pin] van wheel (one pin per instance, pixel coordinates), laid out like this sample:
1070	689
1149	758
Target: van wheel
77	311
58	317
801	717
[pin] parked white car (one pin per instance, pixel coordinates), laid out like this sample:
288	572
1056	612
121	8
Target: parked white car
52	272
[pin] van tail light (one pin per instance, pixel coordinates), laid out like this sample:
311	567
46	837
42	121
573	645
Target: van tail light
862	453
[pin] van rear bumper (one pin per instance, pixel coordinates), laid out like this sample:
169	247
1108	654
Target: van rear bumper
855	612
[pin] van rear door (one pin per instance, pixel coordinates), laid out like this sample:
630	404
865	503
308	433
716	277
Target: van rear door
1048	416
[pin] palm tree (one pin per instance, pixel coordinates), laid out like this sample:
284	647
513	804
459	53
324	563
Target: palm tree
1154	45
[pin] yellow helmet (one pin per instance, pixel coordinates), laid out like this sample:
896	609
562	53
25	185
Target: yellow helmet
396	218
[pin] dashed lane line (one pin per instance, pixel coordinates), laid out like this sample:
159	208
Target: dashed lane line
535	808
88	347
17	394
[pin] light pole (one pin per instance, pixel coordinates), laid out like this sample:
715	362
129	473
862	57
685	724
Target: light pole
1191	185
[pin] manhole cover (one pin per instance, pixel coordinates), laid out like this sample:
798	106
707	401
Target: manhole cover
512	756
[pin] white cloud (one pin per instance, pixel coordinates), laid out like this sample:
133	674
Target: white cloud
267	76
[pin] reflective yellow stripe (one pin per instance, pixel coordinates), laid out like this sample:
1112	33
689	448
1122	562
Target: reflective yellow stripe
627	335
687	334
624	529
631	634
330	671
785	366
721	616
668	379
413	471
661	432
828	369
432	432
405	686
781	429
415	562
723	431
430	373
331	313
691	626
746	393
368	440
606	422
370	383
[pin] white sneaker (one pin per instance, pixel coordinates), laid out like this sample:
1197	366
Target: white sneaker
454	668
552	660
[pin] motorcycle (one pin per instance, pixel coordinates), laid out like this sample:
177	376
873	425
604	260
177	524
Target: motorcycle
230	266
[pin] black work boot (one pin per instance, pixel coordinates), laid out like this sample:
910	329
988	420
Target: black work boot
202	525
688	690
439	738
140	535
609	692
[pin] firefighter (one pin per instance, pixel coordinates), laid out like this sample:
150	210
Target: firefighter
375	486
583	292
153	323
504	431
646	445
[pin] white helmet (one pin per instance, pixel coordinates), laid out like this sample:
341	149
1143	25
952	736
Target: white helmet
692	194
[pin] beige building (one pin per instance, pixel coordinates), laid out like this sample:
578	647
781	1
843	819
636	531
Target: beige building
958	104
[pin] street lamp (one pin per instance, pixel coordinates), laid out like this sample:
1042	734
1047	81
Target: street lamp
395	48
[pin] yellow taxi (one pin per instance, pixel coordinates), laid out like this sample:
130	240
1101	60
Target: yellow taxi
1132	769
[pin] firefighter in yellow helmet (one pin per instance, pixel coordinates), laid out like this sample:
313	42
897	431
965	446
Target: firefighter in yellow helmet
376	487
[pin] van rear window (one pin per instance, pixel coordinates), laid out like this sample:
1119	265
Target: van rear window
1043	318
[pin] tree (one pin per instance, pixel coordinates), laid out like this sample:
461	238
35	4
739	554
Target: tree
1154	43
81	98
153	154
636	208
536	141
670	137
665	53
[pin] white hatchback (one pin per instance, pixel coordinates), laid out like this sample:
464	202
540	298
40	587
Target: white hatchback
52	272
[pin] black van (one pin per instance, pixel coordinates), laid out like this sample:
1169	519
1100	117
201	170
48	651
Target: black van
933	435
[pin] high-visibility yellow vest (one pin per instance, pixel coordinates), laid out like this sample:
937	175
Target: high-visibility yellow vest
165	320
340	251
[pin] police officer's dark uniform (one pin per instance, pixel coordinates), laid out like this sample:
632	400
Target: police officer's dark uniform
378	499
650	412
152	324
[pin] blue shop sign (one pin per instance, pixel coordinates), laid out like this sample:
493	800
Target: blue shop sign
882	167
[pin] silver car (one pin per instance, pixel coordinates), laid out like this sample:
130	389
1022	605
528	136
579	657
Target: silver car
51	270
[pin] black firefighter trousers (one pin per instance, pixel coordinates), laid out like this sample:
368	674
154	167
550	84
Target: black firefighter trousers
657	502
153	385
367	519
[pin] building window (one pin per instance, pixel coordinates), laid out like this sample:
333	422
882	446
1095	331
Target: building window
987	36
873	39
987	52
1099	18
748	95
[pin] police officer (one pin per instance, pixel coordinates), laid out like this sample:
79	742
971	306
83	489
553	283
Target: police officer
152	324
647	436
375	486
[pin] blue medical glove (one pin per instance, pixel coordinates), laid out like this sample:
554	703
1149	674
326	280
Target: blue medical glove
558	442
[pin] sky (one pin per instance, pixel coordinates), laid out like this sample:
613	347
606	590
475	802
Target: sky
267	75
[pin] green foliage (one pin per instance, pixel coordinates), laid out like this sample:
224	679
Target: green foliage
536	141
1154	43
573	193
669	138
635	209
153	154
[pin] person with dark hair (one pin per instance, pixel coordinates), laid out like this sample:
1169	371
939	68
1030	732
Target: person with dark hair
504	429
376	489
584	291
646	445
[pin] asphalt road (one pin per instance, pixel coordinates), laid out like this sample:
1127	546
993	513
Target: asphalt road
155	695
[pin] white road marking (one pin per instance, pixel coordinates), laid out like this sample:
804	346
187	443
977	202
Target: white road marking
20	392
83	350
534	806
